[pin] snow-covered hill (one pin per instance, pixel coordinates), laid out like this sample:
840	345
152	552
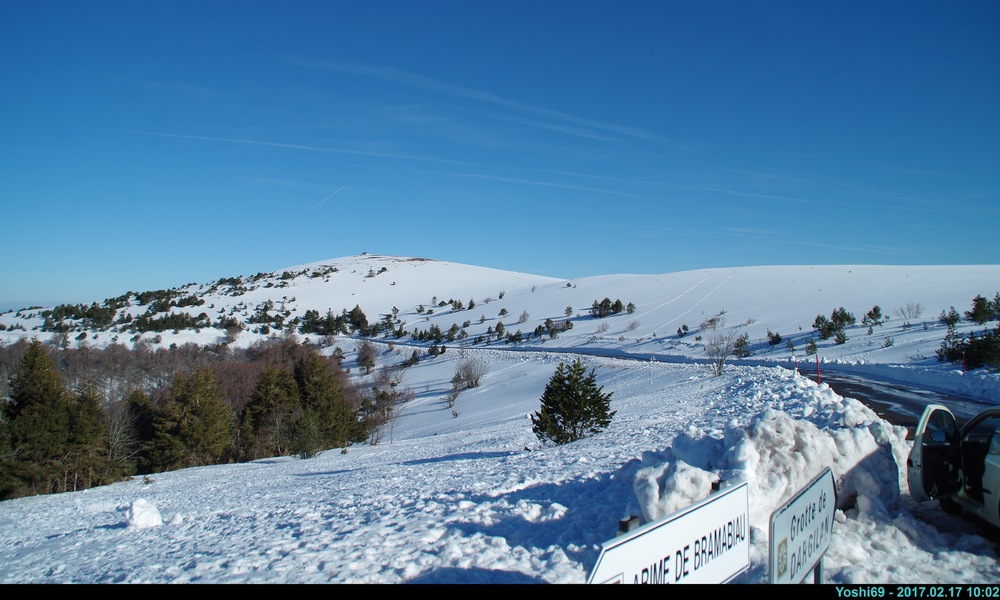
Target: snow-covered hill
756	300
665	316
467	494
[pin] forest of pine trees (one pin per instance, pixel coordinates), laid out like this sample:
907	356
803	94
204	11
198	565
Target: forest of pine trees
51	440
78	418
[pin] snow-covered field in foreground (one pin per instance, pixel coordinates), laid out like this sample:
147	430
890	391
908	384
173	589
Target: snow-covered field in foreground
469	495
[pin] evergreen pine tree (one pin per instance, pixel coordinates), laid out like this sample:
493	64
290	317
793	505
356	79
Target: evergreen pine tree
573	406
9	482
165	452
306	440
358	319
366	356
195	425
954	344
38	421
88	463
950	318
266	423
980	312
741	346
51	441
142	417
36	381
6	450
324	396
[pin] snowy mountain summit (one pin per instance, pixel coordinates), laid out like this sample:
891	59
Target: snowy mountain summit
665	313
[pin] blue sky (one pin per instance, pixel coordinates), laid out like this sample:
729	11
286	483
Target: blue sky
149	145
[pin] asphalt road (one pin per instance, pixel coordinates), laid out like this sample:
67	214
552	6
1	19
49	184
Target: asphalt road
897	403
901	405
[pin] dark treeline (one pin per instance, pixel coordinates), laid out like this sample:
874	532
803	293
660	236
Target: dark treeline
974	351
74	418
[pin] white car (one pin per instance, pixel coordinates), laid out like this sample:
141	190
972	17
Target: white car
958	466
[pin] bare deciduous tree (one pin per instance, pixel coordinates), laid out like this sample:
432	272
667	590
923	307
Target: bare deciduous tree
713	323
719	348
382	416
470	371
389	376
910	312
122	439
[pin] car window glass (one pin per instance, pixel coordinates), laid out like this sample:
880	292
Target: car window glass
983	432
995	443
941	421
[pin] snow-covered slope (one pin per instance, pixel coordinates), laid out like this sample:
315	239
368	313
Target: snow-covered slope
467	494
665	315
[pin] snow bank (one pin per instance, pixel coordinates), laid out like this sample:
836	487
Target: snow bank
778	453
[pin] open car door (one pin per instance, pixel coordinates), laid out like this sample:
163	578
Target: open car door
932	469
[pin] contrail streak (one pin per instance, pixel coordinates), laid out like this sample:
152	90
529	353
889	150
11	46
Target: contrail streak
315	206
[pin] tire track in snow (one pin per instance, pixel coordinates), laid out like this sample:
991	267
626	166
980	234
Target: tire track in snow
682	295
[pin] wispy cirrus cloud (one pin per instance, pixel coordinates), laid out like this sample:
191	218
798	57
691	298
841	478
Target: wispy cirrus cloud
305	147
763	196
478	167
583	127
408	157
774	238
556	184
428	159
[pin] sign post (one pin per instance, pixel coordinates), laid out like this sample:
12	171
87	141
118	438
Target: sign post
801	530
707	542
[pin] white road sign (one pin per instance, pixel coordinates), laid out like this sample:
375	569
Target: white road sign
801	530
707	542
